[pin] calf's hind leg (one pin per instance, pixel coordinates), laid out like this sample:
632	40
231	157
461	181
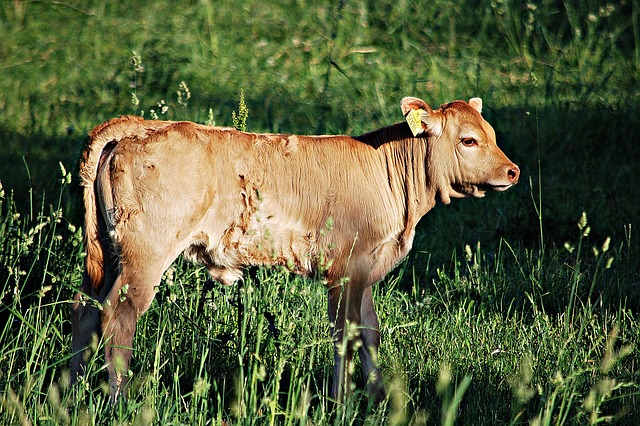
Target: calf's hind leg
85	317
85	322
129	298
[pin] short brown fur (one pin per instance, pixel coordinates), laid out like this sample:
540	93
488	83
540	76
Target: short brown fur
228	199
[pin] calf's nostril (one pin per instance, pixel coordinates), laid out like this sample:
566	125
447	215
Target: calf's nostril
513	173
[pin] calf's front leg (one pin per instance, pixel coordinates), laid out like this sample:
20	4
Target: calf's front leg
344	315
370	336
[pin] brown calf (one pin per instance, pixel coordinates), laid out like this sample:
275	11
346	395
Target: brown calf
228	199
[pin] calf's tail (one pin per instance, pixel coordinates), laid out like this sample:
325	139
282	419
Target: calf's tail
102	138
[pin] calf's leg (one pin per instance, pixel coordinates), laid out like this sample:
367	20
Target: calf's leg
85	322
129	298
85	317
344	315
370	336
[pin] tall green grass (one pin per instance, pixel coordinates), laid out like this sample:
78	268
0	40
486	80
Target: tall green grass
514	309
478	343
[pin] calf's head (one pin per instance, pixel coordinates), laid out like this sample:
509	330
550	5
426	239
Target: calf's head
463	158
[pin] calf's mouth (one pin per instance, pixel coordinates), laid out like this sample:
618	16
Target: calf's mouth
479	190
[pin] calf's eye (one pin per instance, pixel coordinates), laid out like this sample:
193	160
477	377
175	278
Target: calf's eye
469	141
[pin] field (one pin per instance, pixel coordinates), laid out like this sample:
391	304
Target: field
519	308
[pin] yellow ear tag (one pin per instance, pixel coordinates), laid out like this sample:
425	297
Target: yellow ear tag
414	119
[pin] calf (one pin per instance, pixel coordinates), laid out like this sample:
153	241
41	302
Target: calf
229	199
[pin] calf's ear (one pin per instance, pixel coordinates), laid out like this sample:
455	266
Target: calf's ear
421	118
476	103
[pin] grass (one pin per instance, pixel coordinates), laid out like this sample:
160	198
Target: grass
512	309
468	345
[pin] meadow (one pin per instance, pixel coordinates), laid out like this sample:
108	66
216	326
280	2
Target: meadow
519	308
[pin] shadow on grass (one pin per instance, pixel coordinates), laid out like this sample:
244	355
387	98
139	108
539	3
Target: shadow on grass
571	161
30	167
